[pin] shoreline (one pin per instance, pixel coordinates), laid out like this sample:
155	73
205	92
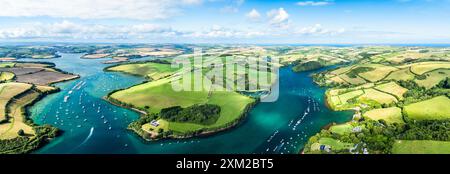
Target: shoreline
26	110
201	133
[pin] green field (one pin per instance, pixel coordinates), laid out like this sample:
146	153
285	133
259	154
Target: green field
335	144
8	64
390	115
377	96
17	122
153	70
7	92
5	76
379	72
392	88
433	109
403	74
162	125
341	129
421	147
159	94
433	78
421	68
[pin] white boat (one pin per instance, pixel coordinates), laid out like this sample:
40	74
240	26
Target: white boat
66	98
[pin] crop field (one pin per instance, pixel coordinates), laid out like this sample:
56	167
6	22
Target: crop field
153	70
44	89
355	81
7	92
5	76
44	77
338	79
390	115
340	102
380	97
33	65
392	88
421	147
433	78
7	65
421	68
21	71
403	74
433	109
9	130
379	73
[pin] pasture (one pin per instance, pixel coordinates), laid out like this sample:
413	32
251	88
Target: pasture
160	94
433	109
421	147
153	70
390	115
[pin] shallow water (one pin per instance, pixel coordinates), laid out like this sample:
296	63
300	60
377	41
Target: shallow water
92	125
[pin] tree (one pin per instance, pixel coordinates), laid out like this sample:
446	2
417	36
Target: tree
21	132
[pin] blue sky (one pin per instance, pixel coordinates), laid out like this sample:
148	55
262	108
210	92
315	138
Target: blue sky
226	21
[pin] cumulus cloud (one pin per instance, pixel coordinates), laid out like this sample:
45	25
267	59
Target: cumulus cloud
95	9
314	3
278	17
253	15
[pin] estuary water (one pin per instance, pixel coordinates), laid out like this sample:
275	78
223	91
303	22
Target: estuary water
92	125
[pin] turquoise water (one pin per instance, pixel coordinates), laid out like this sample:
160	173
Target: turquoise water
92	125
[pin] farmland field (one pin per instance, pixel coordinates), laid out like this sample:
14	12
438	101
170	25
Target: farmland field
160	94
7	92
433	109
5	76
380	97
392	88
378	73
9	130
355	81
433	78
153	70
390	115
421	68
403	74
421	147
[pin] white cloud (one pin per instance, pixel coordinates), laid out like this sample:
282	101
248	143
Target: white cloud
95	9
314	3
69	30
318	30
232	7
217	31
278	17
253	15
